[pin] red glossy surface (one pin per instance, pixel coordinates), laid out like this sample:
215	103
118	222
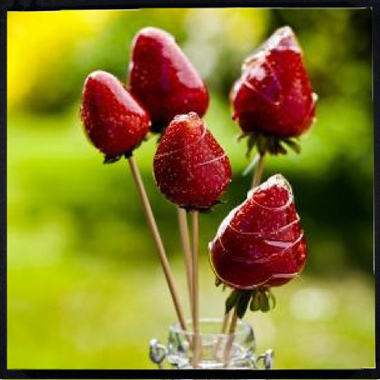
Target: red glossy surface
260	242
190	167
274	94
163	78
113	120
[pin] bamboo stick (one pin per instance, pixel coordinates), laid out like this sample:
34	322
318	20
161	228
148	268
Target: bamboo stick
195	295
231	337
186	250
157	240
258	172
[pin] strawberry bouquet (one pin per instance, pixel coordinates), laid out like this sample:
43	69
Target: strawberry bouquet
260	244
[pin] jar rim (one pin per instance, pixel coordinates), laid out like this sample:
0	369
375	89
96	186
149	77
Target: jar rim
242	330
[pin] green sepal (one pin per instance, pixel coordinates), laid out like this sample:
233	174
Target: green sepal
252	139
255	301
264	303
262	144
266	143
232	300
242	304
203	210
279	149
218	281
272	299
258	299
271	143
110	159
293	145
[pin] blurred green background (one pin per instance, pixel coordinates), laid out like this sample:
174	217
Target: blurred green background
85	289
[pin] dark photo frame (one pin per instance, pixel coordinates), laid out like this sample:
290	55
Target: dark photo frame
44	5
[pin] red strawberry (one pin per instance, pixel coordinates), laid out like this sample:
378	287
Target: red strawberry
163	79
190	167
273	96
261	242
113	120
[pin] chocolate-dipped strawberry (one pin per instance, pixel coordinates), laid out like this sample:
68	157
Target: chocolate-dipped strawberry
163	79
190	167
273	100
113	120
260	244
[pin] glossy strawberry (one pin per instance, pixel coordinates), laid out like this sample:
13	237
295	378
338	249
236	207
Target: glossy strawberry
163	79
113	120
261	242
190	167
273	97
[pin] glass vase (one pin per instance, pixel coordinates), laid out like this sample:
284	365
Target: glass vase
210	349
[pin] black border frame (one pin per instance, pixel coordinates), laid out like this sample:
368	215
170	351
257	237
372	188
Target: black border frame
45	5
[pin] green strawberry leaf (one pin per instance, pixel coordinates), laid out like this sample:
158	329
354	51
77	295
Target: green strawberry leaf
272	299
242	304
255	301
279	148
110	159
232	300
292	145
264	303
262	144
252	140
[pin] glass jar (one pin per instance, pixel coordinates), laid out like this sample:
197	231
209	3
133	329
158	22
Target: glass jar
214	350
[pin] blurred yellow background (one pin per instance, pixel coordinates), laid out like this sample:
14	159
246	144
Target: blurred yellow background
85	289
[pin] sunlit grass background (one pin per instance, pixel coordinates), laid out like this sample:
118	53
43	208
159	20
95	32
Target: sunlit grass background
85	289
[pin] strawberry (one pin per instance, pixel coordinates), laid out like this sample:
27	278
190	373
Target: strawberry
190	167
113	120
261	243
273	99
163	79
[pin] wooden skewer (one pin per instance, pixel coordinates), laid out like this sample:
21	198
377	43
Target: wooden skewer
195	313
225	322
258	172
186	249
226	319
231	332
157	240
